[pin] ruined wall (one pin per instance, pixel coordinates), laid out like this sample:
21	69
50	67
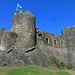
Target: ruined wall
23	24
51	45
69	36
8	39
24	36
1	33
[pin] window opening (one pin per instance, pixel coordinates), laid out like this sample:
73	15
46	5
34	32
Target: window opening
40	35
55	42
47	40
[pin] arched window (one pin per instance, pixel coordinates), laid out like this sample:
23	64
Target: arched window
61	43
55	42
47	40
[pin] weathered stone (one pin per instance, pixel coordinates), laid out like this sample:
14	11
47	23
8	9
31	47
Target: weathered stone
27	45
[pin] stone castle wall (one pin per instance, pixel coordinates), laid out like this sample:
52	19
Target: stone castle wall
7	39
52	45
23	35
69	37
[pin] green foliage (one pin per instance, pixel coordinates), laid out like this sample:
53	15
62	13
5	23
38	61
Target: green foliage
52	34
69	66
60	36
4	64
56	61
62	64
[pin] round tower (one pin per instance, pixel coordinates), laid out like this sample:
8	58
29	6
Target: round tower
23	24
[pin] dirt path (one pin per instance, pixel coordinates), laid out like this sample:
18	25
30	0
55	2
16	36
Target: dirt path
71	72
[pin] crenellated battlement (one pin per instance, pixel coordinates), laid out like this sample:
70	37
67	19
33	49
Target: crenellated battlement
3	30
26	12
73	26
68	29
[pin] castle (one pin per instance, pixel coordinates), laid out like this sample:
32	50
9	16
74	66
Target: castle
26	45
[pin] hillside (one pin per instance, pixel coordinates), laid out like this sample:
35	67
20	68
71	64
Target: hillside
34	70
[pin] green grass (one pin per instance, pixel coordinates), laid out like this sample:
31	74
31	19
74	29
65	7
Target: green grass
34	70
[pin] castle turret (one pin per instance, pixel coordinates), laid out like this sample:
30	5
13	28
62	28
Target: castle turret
23	24
69	37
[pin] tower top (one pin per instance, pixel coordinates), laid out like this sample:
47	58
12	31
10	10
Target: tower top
26	12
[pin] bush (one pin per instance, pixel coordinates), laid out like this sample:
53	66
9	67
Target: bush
56	61
69	66
62	64
4	64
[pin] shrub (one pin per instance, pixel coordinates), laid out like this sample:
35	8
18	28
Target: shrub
56	61
62	64
69	66
4	64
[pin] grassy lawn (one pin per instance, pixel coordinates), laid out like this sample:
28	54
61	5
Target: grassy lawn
34	70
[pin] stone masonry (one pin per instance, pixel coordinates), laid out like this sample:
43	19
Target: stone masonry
32	46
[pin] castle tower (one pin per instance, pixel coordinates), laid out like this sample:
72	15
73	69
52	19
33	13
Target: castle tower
69	37
23	24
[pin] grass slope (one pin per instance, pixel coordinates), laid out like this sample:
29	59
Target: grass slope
34	70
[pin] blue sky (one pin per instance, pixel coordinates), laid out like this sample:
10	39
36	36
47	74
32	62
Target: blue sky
51	15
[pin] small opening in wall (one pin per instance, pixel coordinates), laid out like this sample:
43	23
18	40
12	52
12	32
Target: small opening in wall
37	29
40	35
16	36
61	43
47	40
55	42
